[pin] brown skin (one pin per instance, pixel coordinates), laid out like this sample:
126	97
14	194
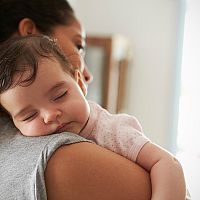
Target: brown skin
68	37
86	171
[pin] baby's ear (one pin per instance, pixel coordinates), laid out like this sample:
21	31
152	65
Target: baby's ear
79	79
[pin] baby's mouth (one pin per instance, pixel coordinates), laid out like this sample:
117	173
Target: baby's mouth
62	127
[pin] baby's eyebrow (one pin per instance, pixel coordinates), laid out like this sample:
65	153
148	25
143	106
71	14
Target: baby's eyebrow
22	111
55	87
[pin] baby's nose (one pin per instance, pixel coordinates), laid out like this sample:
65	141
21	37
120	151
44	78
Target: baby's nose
52	116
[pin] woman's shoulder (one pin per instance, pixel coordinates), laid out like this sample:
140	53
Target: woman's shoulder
24	159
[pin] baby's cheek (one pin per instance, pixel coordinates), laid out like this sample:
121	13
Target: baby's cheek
30	129
36	129
20	127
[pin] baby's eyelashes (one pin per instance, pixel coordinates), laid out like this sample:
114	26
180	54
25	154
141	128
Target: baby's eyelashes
29	117
60	96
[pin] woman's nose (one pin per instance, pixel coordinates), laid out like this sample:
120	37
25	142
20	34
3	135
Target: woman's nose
87	74
88	77
78	62
52	116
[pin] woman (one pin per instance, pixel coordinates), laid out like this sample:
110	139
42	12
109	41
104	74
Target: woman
45	167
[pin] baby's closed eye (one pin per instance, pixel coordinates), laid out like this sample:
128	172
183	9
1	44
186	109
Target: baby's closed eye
29	117
60	95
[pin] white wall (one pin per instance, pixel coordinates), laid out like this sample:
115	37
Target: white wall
154	29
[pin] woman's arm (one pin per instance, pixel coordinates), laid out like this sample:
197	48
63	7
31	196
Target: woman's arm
86	171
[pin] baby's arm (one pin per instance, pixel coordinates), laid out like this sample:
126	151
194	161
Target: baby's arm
166	173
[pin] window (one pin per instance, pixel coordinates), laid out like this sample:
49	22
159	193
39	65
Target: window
189	108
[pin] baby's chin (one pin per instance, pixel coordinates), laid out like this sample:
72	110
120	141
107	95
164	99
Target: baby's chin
72	127
36	134
74	130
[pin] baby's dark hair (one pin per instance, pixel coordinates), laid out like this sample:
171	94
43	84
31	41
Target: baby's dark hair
22	54
46	14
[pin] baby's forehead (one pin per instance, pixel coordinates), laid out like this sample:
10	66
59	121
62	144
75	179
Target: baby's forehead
50	58
26	73
51	62
55	65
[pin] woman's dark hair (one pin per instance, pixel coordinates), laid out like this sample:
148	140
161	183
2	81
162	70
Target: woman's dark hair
22	54
46	14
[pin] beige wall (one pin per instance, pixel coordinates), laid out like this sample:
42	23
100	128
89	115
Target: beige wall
155	31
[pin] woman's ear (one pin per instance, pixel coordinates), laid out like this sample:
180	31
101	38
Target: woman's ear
27	27
79	80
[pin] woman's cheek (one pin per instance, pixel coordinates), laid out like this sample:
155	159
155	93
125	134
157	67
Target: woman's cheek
68	47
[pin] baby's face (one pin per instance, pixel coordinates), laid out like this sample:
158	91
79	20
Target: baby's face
53	103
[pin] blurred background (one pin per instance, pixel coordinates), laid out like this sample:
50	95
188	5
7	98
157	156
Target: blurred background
157	79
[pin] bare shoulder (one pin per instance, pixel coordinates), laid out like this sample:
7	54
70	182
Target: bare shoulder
96	173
